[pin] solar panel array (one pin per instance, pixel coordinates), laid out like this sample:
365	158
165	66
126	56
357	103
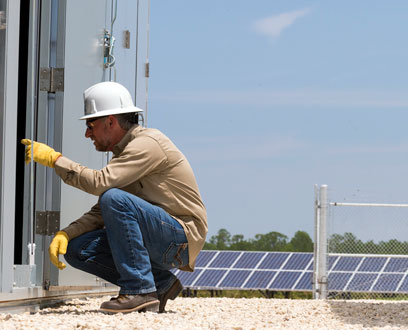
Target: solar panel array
386	274
293	271
250	270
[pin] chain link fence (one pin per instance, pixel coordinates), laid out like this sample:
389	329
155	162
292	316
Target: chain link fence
367	245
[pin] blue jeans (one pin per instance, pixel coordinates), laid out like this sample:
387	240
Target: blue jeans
137	248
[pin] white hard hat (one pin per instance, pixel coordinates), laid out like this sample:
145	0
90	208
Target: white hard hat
107	98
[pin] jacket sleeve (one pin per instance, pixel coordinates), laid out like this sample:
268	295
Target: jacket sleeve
90	221
138	159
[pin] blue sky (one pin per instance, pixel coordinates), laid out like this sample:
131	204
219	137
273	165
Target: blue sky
267	98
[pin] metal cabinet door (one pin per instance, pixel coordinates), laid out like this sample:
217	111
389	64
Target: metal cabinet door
82	60
72	37
85	25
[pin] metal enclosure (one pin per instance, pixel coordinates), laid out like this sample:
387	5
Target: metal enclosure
9	30
69	49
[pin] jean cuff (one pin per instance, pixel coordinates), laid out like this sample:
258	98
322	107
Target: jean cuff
137	291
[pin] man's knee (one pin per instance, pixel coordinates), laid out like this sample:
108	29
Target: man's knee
73	251
108	196
115	199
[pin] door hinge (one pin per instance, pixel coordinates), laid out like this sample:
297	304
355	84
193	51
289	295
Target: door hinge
3	24
47	222
52	80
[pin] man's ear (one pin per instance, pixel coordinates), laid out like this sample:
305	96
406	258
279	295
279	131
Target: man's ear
112	120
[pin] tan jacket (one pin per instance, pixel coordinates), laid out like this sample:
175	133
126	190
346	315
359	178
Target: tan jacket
147	164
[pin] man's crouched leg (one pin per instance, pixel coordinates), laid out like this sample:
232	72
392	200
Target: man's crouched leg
126	303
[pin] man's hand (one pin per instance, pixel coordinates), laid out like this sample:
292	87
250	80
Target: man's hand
58	246
43	154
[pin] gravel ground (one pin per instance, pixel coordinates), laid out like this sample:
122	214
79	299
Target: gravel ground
220	313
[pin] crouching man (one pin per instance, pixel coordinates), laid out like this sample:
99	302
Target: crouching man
149	217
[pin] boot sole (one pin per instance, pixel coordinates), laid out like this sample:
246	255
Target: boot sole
151	306
172	294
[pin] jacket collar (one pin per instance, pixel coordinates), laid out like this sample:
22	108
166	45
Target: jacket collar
129	136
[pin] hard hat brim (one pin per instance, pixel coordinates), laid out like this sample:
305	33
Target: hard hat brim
109	112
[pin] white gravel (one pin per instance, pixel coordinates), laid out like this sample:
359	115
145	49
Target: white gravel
220	313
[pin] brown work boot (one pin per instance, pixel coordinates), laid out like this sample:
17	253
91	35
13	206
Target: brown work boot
171	293
126	303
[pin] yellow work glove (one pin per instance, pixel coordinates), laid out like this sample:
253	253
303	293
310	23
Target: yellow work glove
58	246
43	154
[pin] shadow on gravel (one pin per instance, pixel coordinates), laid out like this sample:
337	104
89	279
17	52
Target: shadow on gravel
67	312
371	314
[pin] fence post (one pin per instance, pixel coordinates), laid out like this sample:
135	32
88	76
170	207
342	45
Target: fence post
316	241
322	244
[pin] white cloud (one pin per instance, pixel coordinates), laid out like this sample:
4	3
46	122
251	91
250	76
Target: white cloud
274	25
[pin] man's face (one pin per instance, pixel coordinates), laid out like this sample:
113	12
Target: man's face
97	131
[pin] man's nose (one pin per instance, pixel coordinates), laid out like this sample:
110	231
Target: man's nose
88	132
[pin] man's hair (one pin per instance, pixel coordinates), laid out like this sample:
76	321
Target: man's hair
127	120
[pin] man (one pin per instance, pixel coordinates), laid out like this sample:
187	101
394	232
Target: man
149	217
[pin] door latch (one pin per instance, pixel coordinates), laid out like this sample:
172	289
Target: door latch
108	44
3	24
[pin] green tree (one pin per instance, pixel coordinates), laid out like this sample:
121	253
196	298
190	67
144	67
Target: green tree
209	246
238	243
272	241
222	240
347	243
301	242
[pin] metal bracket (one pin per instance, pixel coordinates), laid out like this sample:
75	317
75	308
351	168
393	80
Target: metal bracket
47	222
52	80
3	24
24	276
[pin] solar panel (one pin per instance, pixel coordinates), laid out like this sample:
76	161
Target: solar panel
305	282
403	286
273	260
298	261
293	271
284	280
234	279
397	265
332	261
338	281
209	278
361	282
372	264
224	259
347	263
188	278
205	257
259	280
387	282
249	260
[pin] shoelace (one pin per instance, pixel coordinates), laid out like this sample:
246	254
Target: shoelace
118	297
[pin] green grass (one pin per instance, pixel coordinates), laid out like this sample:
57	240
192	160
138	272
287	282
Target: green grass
247	294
